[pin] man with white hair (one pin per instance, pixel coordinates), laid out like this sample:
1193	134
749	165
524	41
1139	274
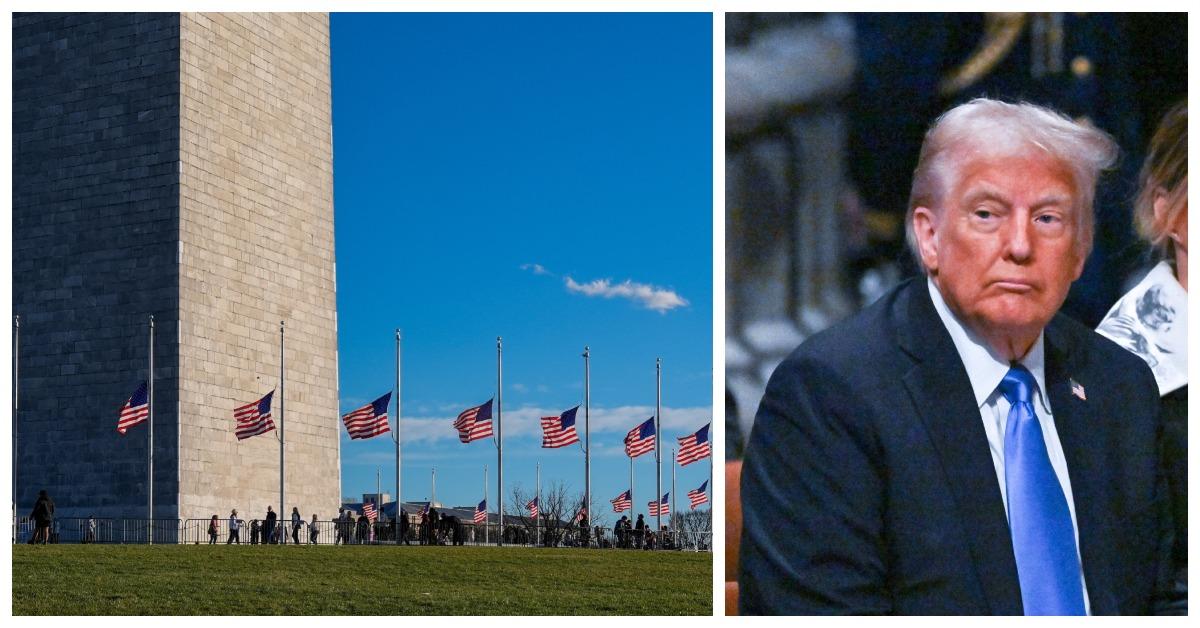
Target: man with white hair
959	447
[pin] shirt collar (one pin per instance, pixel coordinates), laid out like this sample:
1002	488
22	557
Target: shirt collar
984	368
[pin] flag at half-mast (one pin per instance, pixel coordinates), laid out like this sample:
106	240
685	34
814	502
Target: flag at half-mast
559	431
640	439
533	508
475	423
622	502
699	496
254	418
136	409
481	512
370	420
661	507
695	447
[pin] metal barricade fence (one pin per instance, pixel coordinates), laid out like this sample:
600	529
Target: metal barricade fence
196	532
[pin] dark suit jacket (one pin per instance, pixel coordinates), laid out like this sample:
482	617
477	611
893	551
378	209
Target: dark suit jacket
869	487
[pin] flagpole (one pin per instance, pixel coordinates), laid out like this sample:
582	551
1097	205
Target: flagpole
378	504
632	503
396	437
674	508
150	444
500	437
587	433
658	439
433	490
281	422
16	414
485	517
537	501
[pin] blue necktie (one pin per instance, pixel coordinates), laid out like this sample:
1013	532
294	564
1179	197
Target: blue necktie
1042	535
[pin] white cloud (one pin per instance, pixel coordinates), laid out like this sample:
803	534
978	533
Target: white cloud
536	269
611	424
651	297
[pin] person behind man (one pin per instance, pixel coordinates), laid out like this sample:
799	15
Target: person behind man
431	530
1151	319
235	525
313	530
268	528
957	448
639	534
213	527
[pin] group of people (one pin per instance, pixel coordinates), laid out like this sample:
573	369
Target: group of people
270	531
961	446
639	535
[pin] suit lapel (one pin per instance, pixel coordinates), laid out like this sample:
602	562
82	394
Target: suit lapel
941	391
1075	421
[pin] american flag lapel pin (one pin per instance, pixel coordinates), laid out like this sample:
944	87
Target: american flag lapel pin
1077	390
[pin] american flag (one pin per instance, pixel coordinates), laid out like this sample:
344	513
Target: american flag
662	506
369	511
640	439
136	409
699	496
579	514
621	503
370	420
474	423
695	447
559	431
254	418
481	512
533	508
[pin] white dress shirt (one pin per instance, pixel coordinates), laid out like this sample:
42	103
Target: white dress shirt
986	370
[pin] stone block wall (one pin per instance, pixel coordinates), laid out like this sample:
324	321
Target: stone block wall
95	236
256	225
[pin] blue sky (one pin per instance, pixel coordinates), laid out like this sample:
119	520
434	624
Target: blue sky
545	178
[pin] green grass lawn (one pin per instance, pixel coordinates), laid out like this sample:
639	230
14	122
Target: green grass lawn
368	580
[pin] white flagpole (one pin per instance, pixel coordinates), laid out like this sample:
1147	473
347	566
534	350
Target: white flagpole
150	444
658	440
281	422
433	485
500	437
632	503
396	437
378	504
485	495
16	415
587	433
674	508
537	523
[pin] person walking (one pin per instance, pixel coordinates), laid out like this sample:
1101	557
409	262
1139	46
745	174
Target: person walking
268	529
313	530
639	531
235	525
43	516
403	527
297	523
89	534
212	530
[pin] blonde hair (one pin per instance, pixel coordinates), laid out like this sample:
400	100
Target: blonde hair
1164	174
985	127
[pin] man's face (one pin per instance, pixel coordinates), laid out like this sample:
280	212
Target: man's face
1003	250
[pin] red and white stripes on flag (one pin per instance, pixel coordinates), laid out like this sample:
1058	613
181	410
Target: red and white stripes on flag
369	511
699	496
533	508
136	409
662	507
621	502
695	447
640	440
481	512
370	420
254	418
559	431
475	423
